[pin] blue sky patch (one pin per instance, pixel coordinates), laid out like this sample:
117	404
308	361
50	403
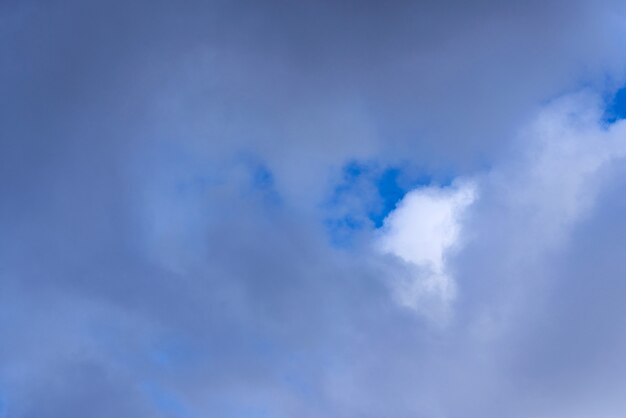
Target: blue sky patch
616	106
392	188
365	195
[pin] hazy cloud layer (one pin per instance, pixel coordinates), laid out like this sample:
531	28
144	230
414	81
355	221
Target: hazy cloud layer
174	176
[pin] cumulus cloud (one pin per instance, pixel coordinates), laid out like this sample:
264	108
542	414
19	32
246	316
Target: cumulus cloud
421	231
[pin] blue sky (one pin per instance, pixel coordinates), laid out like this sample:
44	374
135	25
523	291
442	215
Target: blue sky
312	209
616	106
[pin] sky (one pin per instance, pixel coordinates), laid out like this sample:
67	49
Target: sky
338	209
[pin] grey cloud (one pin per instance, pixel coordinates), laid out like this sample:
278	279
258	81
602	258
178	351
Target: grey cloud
135	249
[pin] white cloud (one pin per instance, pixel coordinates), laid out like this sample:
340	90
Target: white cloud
532	200
553	181
421	232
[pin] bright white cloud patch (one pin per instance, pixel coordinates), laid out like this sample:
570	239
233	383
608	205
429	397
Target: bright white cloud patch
421	231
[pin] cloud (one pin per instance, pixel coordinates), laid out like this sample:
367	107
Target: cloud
517	273
163	173
423	228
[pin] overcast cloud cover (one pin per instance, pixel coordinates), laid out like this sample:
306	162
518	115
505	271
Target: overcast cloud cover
268	209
